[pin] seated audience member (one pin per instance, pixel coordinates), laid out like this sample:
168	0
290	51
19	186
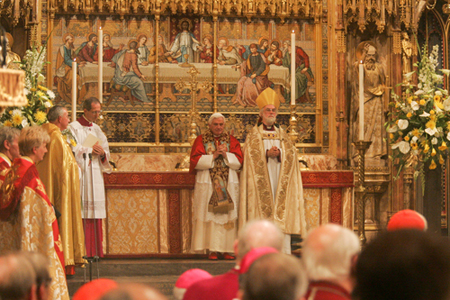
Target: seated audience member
187	279
25	207
274	276
134	291
255	234
407	219
404	265
95	289
328	255
17	278
41	266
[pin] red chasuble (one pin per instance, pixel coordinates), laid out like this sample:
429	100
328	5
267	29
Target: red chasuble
23	174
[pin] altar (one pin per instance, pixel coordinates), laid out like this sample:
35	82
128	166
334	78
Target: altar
149	212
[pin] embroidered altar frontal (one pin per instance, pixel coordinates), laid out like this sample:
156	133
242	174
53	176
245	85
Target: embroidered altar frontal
149	213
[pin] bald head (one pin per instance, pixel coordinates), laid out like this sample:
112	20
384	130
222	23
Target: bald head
17	277
328	252
134	291
259	233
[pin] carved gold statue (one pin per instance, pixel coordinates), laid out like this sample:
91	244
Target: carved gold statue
12	59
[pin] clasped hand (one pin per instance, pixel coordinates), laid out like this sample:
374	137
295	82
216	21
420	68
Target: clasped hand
221	150
97	149
273	152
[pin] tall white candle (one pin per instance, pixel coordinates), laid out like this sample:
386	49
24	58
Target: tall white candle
100	65
74	90
361	101
293	68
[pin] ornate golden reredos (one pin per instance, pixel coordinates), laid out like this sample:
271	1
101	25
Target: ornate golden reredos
382	13
310	9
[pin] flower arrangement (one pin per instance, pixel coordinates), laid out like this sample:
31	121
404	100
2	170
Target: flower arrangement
39	97
419	124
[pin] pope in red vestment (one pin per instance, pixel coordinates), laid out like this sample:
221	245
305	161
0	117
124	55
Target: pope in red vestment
215	158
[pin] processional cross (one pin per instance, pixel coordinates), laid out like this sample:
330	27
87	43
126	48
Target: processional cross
194	86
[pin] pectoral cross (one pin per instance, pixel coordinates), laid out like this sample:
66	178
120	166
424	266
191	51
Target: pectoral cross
194	86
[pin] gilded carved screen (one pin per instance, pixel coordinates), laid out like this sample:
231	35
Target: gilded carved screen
145	57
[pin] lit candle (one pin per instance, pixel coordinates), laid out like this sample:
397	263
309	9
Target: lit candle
100	65
74	90
361	101
293	68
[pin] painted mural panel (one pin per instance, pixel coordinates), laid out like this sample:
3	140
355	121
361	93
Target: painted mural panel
250	57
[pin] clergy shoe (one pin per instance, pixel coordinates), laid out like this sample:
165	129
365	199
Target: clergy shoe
212	256
227	256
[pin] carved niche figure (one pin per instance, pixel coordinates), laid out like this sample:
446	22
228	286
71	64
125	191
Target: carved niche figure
12	59
374	85
406	53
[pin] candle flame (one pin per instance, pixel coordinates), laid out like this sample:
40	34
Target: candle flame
75	59
293	31
361	62
100	28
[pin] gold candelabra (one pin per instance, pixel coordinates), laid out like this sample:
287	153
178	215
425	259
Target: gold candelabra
194	86
360	189
292	130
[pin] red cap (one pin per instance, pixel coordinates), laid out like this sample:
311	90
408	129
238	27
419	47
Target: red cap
190	277
95	289
407	219
253	255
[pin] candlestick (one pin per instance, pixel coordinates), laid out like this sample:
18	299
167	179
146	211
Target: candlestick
293	67
74	90
361	101
100	65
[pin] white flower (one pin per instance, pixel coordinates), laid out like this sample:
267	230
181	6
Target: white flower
439	93
408	75
40	78
415	105
403	146
403	124
431	131
447	104
16	112
425	114
393	129
25	123
26	91
418	92
434	141
50	94
448	136
414	139
47	104
445	71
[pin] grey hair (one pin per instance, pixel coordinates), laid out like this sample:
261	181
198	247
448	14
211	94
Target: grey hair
328	251
55	112
216	116
7	134
259	233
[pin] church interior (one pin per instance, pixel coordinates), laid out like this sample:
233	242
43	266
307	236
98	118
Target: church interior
357	167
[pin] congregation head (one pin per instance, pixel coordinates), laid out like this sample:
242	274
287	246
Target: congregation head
407	219
404	264
274	276
40	264
258	233
329	252
17	277
133	291
95	289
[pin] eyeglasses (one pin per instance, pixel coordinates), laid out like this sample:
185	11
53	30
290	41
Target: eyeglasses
270	109
97	112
